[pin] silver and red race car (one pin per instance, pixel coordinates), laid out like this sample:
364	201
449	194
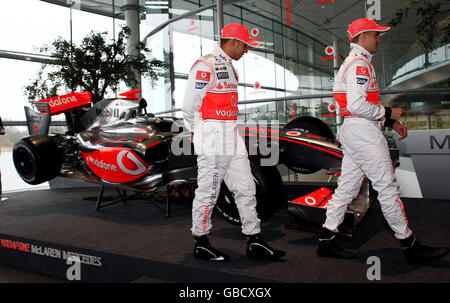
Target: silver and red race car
115	142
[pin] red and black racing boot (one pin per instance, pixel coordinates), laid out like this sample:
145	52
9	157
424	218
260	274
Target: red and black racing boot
257	248
329	247
416	252
203	250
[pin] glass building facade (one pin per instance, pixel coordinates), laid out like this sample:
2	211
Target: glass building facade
291	74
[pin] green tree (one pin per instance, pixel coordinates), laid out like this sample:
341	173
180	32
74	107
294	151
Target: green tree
430	28
94	66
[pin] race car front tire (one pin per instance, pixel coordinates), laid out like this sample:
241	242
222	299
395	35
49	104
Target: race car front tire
37	159
269	195
310	125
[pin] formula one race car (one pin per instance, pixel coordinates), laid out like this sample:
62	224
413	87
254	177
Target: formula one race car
116	143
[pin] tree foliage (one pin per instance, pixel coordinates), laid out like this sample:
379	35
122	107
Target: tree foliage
430	13
95	66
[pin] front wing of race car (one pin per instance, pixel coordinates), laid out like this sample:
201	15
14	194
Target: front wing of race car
308	211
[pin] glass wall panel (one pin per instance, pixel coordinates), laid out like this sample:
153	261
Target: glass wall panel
28	24
14	76
83	23
181	43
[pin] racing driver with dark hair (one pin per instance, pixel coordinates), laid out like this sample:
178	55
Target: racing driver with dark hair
210	112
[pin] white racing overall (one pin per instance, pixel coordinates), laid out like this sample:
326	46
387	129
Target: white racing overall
364	145
210	112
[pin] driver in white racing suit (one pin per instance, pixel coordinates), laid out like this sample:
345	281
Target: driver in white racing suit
365	148
210	113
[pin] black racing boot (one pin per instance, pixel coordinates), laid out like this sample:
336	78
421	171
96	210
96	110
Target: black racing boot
203	250
257	248
329	247
416	252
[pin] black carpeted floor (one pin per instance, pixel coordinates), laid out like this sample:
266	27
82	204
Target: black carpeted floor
141	230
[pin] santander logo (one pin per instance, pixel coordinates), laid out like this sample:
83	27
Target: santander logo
226	85
229	85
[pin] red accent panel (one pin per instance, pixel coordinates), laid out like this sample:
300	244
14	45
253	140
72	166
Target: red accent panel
131	94
220	106
373	97
116	164
60	104
312	136
318	198
341	99
153	144
306	144
316	147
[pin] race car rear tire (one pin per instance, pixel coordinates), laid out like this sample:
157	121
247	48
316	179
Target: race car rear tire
269	195
37	159
311	125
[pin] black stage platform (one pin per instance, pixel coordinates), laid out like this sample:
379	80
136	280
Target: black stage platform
137	243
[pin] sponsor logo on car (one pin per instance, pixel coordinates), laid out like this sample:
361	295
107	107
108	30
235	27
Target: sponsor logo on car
115	164
137	167
293	133
60	104
101	164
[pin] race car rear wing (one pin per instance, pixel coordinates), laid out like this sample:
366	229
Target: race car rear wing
38	122
63	104
103	112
